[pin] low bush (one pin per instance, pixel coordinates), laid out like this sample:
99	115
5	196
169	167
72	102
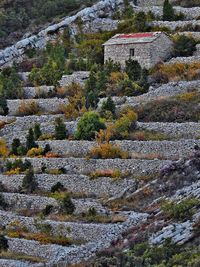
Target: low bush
4	151
19	165
28	108
107	151
107	173
35	152
182	210
164	73
89	124
169	110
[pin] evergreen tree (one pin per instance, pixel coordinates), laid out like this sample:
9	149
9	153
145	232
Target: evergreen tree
3	243
30	140
108	105
91	91
37	131
60	129
67	206
133	69
140	22
144	79
29	183
168	11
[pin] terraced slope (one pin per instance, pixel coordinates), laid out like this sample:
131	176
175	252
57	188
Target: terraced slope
124	201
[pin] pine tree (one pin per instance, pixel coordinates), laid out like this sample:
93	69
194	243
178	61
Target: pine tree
108	105
133	69
30	140
29	183
60	129
37	131
3	243
168	11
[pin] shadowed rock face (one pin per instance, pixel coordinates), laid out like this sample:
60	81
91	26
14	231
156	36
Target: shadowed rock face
39	40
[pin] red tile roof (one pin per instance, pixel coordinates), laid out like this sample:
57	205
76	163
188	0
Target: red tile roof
137	35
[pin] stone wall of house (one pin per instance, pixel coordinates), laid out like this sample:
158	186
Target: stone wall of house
49	105
161	49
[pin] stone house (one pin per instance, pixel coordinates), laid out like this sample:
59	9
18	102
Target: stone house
147	48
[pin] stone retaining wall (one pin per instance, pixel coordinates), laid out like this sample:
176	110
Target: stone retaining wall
49	105
84	166
186	60
160	149
177	25
33	202
188	130
165	90
77	77
37	92
80	184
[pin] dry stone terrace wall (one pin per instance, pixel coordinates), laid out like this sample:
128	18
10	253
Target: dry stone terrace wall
174	25
189	13
32	92
16	263
76	231
160	149
77	77
21	201
187	60
49	105
81	184
188	130
166	90
84	166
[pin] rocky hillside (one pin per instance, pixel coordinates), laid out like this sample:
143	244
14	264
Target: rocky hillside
101	166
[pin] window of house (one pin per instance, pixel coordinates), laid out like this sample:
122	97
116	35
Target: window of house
132	52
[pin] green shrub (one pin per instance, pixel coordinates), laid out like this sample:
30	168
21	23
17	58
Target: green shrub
88	125
182	210
18	163
57	187
47	210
